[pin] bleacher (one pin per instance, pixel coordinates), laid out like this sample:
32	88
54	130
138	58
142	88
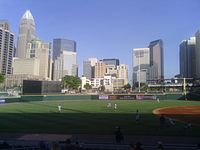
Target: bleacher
93	146
62	145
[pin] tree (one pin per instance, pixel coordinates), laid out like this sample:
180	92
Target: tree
102	88
127	86
87	86
71	82
2	78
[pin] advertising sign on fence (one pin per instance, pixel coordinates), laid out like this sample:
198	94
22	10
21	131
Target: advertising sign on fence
103	97
126	97
112	97
145	97
2	101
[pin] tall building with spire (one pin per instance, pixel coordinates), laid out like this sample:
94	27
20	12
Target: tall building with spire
33	53
26	34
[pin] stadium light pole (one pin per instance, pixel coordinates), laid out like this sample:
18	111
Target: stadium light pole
112	81
184	88
139	71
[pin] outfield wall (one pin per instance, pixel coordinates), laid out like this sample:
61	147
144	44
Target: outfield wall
170	96
57	97
70	97
12	100
27	98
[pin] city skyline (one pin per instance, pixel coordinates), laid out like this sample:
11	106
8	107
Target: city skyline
111	29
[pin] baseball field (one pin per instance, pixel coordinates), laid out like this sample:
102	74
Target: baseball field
94	117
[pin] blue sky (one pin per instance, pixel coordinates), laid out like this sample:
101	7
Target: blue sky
111	28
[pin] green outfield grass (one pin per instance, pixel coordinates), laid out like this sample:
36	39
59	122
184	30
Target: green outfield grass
89	117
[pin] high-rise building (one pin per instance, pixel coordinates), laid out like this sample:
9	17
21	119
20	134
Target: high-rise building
26	34
31	53
87	69
40	50
99	69
122	72
156	60
4	25
65	64
112	61
187	58
64	58
197	54
93	61
6	48
60	45
141	64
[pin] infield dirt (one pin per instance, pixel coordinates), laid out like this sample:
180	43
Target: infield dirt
183	113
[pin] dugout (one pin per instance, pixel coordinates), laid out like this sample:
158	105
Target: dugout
41	87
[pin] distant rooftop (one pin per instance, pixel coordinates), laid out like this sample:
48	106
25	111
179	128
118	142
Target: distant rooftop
152	43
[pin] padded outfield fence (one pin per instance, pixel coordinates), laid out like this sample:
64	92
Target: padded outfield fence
27	98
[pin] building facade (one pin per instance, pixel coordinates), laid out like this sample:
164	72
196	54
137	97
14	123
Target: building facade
111	70
65	64
93	61
26	34
60	45
156	60
112	61
6	48
32	53
41	50
100	69
84	81
122	73
64	58
141	64
87	69
187	58
30	66
197	54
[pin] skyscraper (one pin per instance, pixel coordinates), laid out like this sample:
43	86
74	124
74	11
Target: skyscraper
100	69
26	34
93	61
65	64
40	50
6	48
156	60
197	54
64	58
187	58
141	64
122	73
88	68
31	51
60	45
